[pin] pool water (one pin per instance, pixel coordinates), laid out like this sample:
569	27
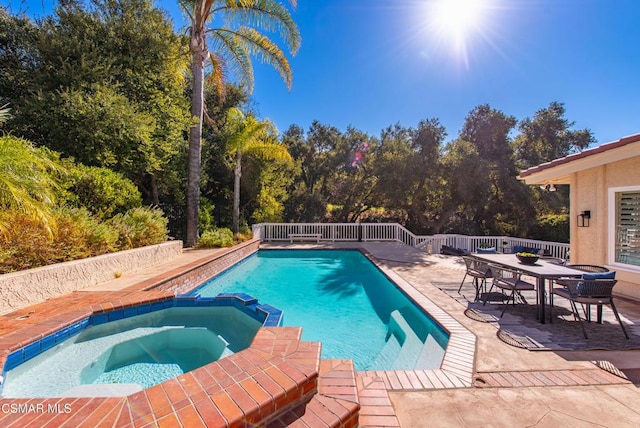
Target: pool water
343	300
140	351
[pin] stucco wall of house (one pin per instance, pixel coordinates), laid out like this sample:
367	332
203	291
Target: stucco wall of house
590	245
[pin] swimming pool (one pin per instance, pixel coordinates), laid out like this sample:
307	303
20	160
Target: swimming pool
342	300
122	352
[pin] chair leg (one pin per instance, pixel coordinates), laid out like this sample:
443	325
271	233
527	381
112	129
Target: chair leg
599	312
615	312
587	312
486	295
576	316
513	302
462	283
477	285
521	298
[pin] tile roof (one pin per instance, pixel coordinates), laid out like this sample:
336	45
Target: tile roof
581	155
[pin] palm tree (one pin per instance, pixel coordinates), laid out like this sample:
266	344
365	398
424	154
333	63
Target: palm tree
26	182
232	43
247	135
4	113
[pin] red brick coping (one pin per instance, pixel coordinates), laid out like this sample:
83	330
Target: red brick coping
274	381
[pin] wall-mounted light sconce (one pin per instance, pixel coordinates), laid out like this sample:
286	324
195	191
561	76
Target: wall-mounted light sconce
548	187
583	218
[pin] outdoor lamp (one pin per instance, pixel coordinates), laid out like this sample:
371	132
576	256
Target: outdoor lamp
583	218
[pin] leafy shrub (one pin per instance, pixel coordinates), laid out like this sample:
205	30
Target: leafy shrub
206	220
77	235
139	227
102	191
216	238
244	234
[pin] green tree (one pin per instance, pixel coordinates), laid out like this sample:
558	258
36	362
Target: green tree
543	138
109	77
247	135
548	136
238	35
18	55
353	181
217	174
410	175
315	157
508	209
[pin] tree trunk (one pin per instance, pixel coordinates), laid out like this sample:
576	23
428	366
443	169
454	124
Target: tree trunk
154	194
199	51
237	173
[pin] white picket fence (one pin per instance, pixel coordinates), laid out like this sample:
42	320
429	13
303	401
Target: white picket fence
394	232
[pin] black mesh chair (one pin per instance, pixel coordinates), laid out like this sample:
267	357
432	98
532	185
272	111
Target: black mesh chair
507	279
562	281
589	268
589	292
479	271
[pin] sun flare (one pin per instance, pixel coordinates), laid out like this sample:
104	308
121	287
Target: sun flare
455	22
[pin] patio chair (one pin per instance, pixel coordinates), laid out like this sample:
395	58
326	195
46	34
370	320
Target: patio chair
589	292
507	279
562	281
554	260
589	268
479	271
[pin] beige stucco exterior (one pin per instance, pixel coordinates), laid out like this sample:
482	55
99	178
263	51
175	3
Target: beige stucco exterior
592	179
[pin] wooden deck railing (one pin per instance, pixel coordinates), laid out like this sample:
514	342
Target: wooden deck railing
393	232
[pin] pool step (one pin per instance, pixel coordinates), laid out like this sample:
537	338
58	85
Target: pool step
410	344
334	405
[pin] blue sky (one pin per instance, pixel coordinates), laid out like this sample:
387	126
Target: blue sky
373	63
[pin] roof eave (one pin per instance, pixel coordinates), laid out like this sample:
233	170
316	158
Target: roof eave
560	170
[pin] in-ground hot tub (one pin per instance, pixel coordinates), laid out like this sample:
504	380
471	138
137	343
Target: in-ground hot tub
121	352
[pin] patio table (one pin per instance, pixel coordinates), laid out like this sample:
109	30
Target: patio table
541	271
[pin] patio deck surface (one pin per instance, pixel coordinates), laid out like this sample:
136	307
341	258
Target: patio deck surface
512	386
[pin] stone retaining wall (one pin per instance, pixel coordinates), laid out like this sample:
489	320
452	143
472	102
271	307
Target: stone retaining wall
20	289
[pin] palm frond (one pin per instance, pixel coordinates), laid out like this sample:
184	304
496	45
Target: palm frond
268	15
218	73
4	113
269	151
26	183
236	54
246	131
187	8
265	49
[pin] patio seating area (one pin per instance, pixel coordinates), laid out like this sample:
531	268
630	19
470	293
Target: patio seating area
519	326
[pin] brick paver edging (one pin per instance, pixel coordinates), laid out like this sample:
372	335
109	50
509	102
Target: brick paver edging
275	374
